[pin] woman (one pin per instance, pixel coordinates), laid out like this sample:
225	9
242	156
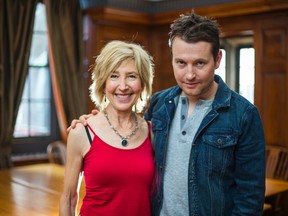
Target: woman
118	161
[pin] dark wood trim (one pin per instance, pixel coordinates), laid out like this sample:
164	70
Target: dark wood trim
243	8
119	15
217	11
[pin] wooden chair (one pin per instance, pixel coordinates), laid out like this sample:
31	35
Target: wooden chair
57	152
277	162
277	168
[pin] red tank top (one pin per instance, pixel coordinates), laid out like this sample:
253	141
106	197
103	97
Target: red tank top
118	182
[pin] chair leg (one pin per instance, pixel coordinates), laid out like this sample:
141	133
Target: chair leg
267	210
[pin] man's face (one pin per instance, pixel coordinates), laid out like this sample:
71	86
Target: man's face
194	67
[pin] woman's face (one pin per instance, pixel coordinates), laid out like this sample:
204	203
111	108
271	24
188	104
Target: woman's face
123	86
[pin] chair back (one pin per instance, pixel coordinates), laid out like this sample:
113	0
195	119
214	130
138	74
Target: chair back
57	152
277	162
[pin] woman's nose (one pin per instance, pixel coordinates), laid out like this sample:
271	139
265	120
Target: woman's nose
122	84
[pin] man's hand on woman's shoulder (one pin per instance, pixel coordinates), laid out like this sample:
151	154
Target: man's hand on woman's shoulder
82	119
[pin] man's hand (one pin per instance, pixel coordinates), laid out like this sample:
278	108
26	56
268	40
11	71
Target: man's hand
82	119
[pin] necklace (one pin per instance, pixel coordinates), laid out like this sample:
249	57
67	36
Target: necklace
124	140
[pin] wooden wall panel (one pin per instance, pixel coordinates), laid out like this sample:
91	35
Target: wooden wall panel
102	32
164	77
271	45
267	22
274	107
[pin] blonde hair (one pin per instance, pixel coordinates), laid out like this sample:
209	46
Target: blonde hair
111	56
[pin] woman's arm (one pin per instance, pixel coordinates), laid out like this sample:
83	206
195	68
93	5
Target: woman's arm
76	144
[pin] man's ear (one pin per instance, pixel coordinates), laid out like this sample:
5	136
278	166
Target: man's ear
218	59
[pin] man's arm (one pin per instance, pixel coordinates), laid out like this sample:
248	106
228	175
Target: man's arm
250	163
82	120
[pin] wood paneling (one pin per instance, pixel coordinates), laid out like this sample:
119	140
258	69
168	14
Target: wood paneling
271	42
164	77
265	19
243	8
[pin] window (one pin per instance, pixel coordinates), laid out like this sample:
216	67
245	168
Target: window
246	72
237	65
36	119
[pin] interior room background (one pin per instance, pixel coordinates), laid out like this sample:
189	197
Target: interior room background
47	48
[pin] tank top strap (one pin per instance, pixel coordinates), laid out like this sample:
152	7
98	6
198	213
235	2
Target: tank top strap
87	128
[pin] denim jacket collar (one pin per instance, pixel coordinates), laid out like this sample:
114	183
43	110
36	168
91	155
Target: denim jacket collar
223	94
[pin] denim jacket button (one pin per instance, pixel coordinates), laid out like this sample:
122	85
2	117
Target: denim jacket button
183	132
219	141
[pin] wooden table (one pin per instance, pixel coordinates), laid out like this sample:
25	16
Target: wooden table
276	191
274	187
32	190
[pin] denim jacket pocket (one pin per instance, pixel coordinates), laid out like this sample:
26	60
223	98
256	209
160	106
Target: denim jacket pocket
220	140
218	151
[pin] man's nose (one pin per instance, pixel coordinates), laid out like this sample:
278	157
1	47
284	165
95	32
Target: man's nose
190	74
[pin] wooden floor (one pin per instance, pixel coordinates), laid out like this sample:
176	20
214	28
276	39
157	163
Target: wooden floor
32	190
35	190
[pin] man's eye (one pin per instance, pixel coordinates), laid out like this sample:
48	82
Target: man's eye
200	63
180	62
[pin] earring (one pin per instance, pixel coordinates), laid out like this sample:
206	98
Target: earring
105	98
141	97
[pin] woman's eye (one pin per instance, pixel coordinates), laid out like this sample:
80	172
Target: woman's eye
132	77
113	76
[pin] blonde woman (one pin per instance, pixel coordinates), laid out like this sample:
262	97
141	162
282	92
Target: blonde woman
115	152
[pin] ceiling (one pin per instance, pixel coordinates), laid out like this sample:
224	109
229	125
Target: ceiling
152	6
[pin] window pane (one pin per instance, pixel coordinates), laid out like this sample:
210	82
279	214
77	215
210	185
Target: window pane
40	18
22	124
247	73
38	52
221	71
40	118
25	95
39	83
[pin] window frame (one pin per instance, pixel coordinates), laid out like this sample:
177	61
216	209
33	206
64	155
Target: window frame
232	45
238	48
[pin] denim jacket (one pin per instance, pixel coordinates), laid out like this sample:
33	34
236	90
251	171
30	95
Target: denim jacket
227	159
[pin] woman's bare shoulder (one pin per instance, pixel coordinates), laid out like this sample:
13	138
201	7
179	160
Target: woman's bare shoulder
77	139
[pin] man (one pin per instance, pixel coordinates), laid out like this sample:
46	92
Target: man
208	140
